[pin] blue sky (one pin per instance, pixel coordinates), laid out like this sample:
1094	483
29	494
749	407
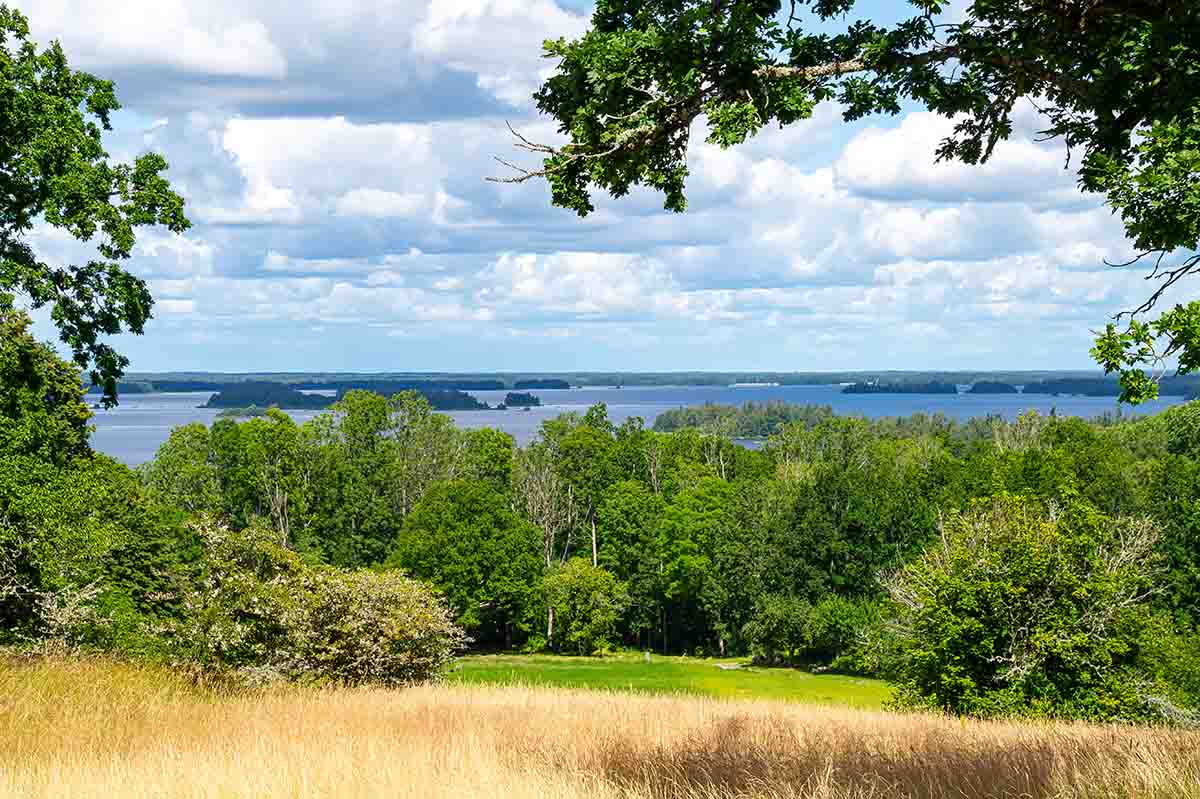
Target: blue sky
333	155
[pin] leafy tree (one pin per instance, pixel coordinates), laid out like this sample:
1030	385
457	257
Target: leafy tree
367	465
54	171
629	515
42	410
1028	610
86	527
1173	498
1182	426
490	457
861	503
271	461
588	602
465	540
585	459
1116	82
696	530
76	529
184	472
776	630
834	626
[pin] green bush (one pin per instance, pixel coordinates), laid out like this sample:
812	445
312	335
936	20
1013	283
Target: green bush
1170	657
245	611
587	602
776	631
836	632
1023	608
834	626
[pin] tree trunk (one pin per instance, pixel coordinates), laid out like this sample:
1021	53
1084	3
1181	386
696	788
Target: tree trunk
595	548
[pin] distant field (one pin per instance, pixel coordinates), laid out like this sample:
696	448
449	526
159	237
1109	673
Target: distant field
98	730
672	675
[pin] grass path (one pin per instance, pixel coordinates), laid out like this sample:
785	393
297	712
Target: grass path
672	675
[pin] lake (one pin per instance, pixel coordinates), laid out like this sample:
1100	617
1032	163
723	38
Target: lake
132	432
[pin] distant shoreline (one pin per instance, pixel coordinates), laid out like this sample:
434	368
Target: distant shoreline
1063	382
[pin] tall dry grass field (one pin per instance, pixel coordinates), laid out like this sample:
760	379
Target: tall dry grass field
92	729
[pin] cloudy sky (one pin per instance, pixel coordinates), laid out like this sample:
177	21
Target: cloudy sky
332	153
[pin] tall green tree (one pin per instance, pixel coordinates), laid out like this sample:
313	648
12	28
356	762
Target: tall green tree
76	528
588	602
367	465
184	471
629	514
42	409
55	171
1116	82
465	540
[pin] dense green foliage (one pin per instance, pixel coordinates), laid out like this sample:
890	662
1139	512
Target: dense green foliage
587	603
258	609
1045	565
1022	609
85	554
42	412
464	538
54	171
92	556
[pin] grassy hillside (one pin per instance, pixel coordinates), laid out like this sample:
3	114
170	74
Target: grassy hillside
90	729
667	675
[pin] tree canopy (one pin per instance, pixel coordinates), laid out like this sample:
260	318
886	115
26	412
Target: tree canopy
42	411
55	171
1118	83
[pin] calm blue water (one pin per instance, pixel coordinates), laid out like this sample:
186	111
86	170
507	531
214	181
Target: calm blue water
133	432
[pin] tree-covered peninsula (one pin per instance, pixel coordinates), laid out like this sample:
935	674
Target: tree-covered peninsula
266	395
262	394
992	387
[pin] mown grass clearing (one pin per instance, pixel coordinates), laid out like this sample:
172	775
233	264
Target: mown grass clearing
672	675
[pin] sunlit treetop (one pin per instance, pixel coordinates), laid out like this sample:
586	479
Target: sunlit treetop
1117	82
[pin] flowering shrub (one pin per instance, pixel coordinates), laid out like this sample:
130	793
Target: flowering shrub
374	627
261	613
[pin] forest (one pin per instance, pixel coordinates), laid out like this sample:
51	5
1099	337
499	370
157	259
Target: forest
1046	566
1041	566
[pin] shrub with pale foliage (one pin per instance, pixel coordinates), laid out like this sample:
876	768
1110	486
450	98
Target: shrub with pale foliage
261	613
373	627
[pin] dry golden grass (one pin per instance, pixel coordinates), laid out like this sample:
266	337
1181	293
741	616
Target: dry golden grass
94	729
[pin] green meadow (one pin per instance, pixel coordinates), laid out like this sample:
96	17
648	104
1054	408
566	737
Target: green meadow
672	675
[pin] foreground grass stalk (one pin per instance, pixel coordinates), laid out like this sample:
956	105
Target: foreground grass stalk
96	729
